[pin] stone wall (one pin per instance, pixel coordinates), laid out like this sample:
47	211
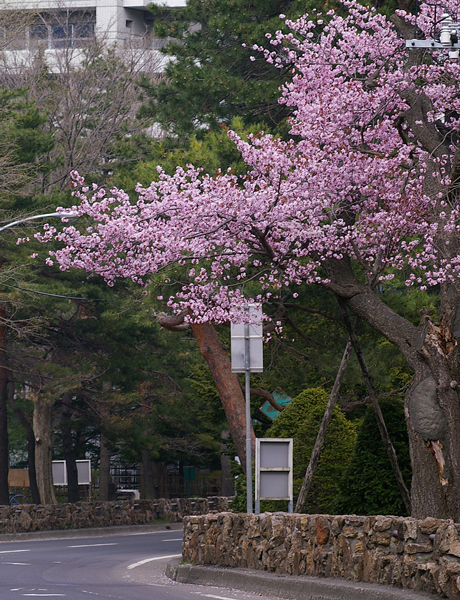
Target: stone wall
422	555
37	517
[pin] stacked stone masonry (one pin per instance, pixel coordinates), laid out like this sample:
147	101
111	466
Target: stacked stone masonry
422	555
37	517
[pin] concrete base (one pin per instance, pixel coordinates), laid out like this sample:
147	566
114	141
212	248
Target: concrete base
285	586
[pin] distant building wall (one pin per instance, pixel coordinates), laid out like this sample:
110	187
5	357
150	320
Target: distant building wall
116	20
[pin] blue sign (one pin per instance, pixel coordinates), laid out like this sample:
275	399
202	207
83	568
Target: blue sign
281	398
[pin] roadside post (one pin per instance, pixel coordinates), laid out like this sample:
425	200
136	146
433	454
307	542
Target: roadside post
247	358
189	475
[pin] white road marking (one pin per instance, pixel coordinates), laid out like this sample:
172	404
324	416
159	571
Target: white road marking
147	560
12	563
173	540
44	595
213	596
147	533
11	551
93	545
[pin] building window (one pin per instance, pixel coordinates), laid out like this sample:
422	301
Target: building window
51	31
74	35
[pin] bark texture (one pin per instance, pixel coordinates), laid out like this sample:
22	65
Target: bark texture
30	444
433	418
227	383
4	453
43	431
104	469
148	476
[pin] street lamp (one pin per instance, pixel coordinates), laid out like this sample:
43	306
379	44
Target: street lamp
64	215
448	37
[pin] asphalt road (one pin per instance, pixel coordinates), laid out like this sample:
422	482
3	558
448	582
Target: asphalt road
126	566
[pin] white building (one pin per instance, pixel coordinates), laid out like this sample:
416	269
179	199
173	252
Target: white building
52	23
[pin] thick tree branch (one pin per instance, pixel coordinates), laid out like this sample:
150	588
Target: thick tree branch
312	311
304	335
277	316
174	323
265	394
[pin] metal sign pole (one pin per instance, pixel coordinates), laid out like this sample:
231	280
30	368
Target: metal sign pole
247	381
247	358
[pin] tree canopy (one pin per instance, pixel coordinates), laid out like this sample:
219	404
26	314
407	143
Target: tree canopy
365	186
211	78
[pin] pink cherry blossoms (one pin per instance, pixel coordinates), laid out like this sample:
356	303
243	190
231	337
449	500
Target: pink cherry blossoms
358	181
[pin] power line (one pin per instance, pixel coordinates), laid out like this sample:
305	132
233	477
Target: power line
16	287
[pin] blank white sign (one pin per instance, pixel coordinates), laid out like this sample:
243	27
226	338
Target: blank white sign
60	472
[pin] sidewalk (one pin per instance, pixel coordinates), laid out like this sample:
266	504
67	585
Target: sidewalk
53	534
285	586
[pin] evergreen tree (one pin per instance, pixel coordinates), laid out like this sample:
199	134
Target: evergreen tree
213	76
301	420
368	486
22	143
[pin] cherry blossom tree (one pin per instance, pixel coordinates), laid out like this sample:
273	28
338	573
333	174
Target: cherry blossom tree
367	186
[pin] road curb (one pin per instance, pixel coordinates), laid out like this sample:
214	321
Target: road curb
88	532
285	586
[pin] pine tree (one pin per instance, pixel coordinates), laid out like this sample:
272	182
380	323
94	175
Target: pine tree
214	76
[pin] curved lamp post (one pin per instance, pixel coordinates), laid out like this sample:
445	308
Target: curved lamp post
63	215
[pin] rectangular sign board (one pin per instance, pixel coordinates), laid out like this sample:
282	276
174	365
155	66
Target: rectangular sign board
60	472
274	485
84	472
18	478
274	469
253	331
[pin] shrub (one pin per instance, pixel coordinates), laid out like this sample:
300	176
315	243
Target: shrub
368	486
301	421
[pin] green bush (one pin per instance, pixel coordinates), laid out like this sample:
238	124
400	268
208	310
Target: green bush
301	421
368	486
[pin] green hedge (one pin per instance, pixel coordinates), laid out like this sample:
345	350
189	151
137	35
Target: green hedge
301	421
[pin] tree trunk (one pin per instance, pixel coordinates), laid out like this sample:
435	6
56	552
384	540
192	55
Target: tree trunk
4	453
30	444
43	432
148	476
432	409
32	470
433	412
228	482
161	479
227	384
73	492
432	404
104	469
